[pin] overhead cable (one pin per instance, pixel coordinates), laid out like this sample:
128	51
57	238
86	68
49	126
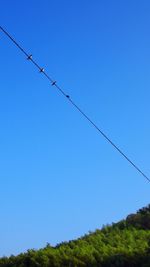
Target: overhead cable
54	83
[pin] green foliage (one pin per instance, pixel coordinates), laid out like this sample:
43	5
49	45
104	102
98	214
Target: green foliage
124	244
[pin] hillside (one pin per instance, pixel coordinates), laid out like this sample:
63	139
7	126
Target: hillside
124	244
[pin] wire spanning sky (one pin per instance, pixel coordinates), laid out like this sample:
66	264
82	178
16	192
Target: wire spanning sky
58	179
82	113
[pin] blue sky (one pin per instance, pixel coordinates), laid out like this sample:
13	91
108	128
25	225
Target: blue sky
59	178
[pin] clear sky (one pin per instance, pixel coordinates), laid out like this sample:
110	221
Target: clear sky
59	178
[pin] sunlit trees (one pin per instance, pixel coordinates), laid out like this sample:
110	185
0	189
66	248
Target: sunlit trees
124	244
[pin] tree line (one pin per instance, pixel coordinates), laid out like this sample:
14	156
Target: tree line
123	244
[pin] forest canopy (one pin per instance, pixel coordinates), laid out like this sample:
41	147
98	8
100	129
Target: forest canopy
126	243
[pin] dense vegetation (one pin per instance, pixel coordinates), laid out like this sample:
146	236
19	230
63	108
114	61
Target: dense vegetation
124	244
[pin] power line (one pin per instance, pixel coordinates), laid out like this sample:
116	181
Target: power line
54	83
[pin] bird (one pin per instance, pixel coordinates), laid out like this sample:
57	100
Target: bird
53	83
42	70
29	57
